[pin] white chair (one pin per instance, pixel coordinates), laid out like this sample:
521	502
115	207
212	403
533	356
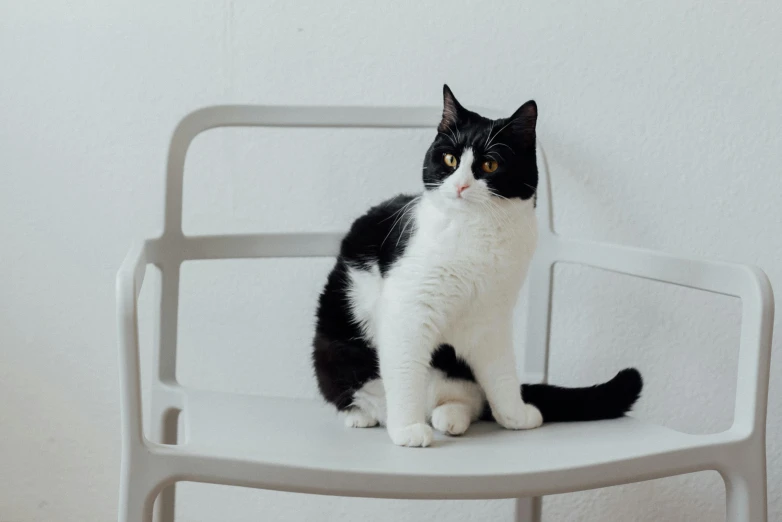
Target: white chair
300	446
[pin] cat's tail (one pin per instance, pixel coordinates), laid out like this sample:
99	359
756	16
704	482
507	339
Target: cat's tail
608	400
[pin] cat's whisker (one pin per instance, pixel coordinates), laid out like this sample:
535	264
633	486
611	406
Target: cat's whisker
487	204
447	136
534	189
389	233
404	211
499	144
400	210
503	212
487	207
499	131
454	140
498	219
392	215
402	233
503	217
491	127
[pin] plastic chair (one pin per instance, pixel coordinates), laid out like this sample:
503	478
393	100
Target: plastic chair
300	446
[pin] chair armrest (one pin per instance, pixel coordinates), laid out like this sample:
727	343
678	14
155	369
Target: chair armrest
747	282
129	280
712	276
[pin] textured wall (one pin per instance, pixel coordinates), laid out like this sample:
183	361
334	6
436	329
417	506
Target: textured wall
661	119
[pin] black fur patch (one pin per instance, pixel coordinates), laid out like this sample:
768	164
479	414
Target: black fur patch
380	236
445	359
342	358
608	400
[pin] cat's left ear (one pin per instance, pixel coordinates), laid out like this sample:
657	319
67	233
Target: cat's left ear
524	121
452	110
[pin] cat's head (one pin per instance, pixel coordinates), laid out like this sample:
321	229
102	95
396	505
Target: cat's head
474	159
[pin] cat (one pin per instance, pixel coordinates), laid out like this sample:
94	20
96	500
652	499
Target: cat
414	323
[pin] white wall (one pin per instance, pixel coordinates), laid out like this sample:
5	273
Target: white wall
662	120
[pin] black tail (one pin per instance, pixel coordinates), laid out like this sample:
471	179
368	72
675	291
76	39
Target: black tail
609	400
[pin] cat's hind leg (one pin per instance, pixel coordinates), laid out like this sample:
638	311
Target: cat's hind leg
456	403
452	418
358	418
369	406
348	378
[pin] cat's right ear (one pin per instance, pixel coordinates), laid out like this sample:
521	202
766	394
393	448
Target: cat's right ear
451	110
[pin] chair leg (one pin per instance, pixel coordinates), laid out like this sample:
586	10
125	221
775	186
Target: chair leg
168	434
166	503
529	509
746	495
136	500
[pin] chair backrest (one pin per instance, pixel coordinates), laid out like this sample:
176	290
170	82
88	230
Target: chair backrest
170	250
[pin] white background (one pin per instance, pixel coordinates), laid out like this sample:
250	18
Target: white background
662	120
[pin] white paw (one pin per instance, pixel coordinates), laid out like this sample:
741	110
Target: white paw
414	436
451	418
524	417
356	418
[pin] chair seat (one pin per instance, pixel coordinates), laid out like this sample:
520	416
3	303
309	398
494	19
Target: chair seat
302	445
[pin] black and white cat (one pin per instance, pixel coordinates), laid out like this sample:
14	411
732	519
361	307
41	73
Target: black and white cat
423	293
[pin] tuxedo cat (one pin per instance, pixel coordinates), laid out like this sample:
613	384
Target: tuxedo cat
415	321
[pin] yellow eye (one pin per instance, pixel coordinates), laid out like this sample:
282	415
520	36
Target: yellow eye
489	166
450	160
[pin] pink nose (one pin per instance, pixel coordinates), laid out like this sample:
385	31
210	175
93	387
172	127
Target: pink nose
461	188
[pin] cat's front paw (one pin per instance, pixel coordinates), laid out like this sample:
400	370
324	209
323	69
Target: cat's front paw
414	435
523	417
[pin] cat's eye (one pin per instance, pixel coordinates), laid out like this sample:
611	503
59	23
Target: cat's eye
450	160
489	166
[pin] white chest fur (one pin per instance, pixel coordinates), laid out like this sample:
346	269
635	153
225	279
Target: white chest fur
464	265
472	247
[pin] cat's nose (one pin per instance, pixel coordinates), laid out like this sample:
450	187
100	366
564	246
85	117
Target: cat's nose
461	188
